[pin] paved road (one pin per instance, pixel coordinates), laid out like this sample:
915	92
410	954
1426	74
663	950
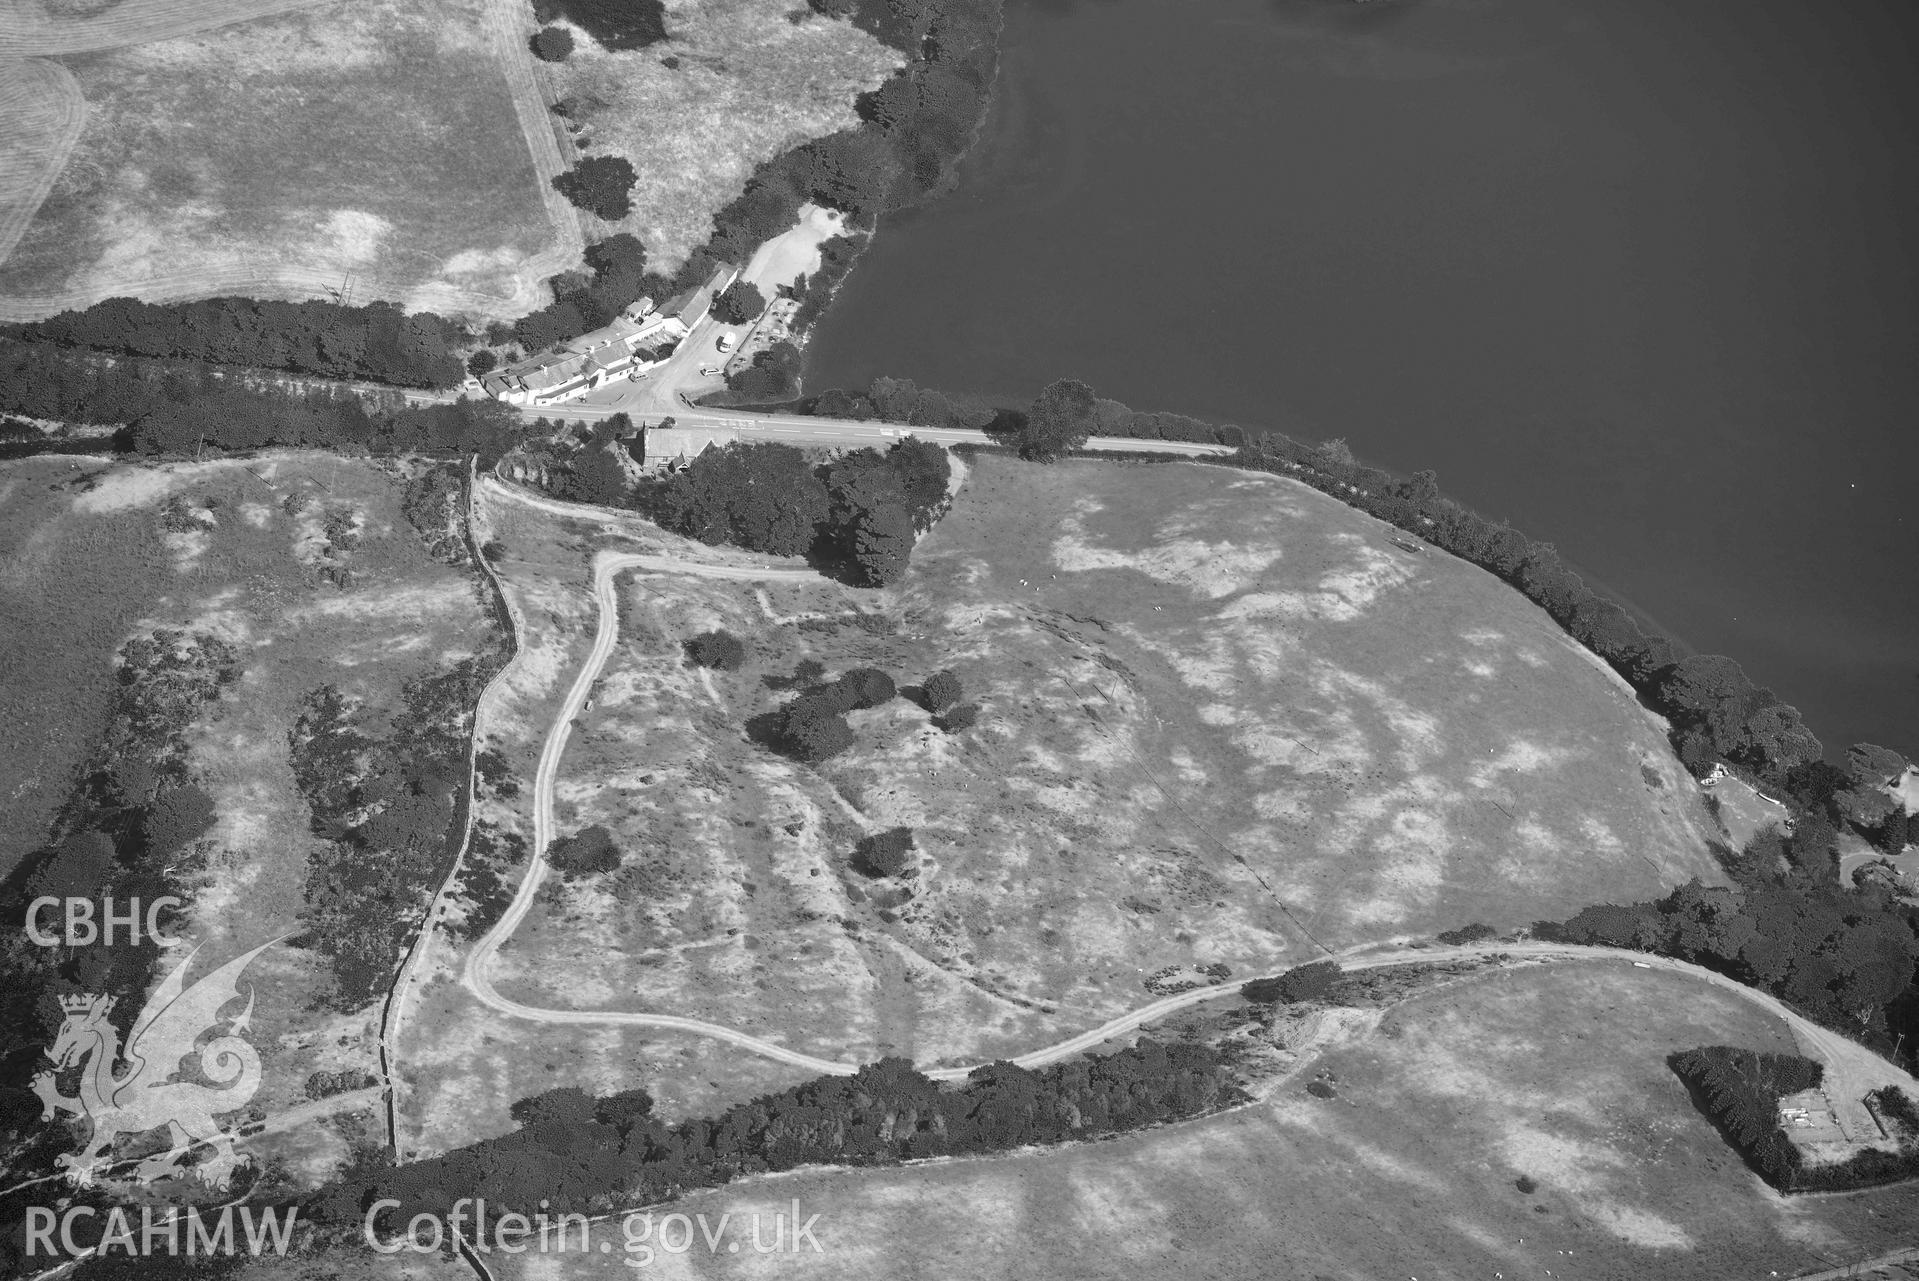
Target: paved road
1851	1069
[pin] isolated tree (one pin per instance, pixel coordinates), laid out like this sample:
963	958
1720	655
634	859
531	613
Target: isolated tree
885	853
588	851
482	363
942	690
601	185
552	44
738	303
719	649
1059	421
867	687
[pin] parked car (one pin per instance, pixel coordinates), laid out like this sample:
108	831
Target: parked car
726	341
707	371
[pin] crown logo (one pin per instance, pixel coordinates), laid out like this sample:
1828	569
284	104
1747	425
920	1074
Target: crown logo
81	1002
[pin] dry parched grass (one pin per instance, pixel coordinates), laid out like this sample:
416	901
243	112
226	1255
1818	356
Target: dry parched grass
1221	714
237	550
41	115
89	26
282	156
749	85
1411	1169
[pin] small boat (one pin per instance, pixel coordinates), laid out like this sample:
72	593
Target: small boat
1406	545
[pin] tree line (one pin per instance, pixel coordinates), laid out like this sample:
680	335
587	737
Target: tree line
1061	419
576	1153
387	794
377	342
181	407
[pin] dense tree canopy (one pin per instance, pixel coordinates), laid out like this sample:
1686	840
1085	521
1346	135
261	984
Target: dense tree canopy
761	496
377	342
601	185
1059	421
738	303
552	44
719	649
942	690
589	851
885	853
614	24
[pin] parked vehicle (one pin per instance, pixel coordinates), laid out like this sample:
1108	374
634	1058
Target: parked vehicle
707	371
726	341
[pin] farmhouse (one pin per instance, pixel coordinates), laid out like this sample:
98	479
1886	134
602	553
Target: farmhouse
638	338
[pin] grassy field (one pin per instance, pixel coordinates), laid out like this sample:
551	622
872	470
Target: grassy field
73	584
1556	1075
1220	713
462	1065
236	549
41	115
377	146
89	26
750	83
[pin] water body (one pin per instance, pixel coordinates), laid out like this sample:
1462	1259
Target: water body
1637	276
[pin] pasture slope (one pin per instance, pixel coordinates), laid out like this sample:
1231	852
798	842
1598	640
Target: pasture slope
42	112
35	27
249	552
262	158
1556	1076
752	78
1223	717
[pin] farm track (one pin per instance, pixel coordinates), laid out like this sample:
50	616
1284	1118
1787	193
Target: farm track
505	24
24	32
42	114
1851	1069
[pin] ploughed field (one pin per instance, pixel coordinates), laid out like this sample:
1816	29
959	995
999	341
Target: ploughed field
1221	718
1554	1075
244	586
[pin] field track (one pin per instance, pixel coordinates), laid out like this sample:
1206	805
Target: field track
42	112
27	29
507	24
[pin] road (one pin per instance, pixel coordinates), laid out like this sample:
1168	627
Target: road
1907	864
1851	1069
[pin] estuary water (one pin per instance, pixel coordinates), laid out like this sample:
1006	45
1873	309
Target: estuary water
1637	276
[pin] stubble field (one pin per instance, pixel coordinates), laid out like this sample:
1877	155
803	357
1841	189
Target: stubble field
377	147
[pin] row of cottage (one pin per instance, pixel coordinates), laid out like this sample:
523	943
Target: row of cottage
639	338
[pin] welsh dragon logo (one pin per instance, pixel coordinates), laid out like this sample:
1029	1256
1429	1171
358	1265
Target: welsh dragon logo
144	1092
